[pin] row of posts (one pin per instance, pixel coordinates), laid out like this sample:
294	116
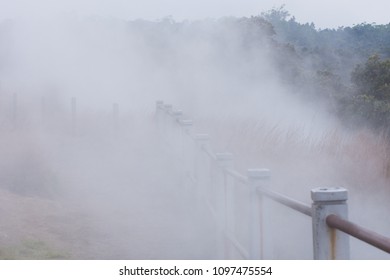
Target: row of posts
328	243
15	113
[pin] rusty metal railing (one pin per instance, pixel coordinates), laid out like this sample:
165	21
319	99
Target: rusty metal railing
375	239
330	227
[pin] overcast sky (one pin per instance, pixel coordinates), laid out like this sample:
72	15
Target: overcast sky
330	13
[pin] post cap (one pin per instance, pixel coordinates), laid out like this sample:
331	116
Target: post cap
184	122
224	156
329	194
258	173
167	107
177	112
201	137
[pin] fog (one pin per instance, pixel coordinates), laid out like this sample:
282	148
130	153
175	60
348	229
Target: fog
330	14
86	174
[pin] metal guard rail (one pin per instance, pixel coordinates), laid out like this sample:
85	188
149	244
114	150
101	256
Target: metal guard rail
320	196
377	240
286	201
282	199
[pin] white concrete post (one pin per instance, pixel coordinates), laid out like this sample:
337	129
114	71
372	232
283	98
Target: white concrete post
183	151
73	104
202	142
204	167
159	115
167	124
256	178
167	108
328	243
225	160
177	115
115	117
15	108
115	111
185	126
43	109
159	105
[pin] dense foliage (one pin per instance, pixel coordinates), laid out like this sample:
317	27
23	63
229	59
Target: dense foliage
350	66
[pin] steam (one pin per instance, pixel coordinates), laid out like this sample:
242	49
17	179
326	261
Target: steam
104	163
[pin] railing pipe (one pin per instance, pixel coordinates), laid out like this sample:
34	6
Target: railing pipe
286	201
377	240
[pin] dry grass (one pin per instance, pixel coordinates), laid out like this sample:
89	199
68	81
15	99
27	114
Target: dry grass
300	160
355	158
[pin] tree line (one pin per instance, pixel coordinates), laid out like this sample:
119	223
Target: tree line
349	66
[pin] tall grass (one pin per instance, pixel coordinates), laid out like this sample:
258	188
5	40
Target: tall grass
301	159
304	158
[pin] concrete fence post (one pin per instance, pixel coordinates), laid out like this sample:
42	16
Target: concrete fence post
115	118
201	168
177	115
256	178
328	243
73	105
185	127
159	115
177	128
43	109
159	105
224	161
115	112
15	108
183	150
166	121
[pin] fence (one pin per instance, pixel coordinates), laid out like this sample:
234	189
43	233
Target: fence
214	179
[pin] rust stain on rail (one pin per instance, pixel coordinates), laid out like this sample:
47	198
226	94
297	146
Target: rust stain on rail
332	233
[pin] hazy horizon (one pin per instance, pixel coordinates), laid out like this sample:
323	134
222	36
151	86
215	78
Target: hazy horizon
329	14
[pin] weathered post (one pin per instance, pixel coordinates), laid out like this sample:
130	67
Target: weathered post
185	126
163	110
328	243
167	123
159	105
177	130
73	104
203	167
224	160
43	109
177	115
202	143
115	113
115	119
15	108
256	178
159	115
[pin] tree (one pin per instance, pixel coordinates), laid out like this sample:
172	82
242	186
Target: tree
373	79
